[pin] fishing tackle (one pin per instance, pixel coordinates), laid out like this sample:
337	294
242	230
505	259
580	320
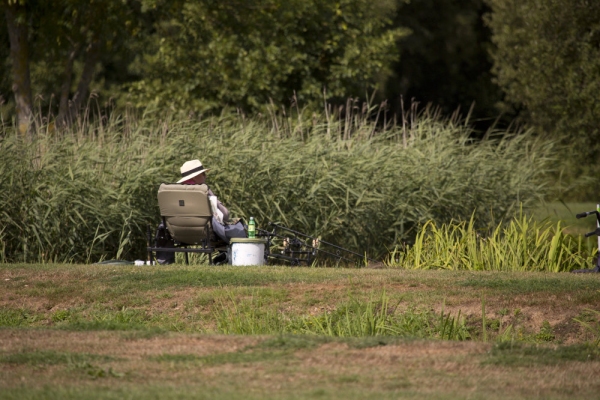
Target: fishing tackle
596	233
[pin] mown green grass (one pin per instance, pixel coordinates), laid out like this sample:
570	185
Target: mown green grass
223	358
137	286
264	300
149	332
531	284
225	393
45	358
230	375
520	355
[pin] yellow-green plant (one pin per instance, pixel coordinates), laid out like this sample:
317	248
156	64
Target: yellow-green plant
522	244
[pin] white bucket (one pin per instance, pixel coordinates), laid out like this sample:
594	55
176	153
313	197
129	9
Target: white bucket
245	251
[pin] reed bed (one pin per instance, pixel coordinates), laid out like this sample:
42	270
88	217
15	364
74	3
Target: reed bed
523	244
87	193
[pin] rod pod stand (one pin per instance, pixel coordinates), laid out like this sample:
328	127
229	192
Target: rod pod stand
298	248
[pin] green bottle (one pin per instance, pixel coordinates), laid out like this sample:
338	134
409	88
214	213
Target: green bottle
251	228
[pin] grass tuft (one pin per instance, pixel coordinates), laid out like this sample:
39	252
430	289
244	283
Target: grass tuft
355	318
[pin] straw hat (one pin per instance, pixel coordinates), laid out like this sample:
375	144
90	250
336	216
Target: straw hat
191	169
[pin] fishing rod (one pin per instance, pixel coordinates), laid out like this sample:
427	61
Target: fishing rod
297	247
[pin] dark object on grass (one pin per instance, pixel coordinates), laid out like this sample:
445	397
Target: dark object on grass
220	259
163	239
587	270
596	233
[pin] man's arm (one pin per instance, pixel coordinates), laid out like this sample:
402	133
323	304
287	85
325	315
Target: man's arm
221	207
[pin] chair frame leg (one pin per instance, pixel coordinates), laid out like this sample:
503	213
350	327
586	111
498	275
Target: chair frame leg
206	248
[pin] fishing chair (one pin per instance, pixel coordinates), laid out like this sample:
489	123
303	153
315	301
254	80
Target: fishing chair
186	223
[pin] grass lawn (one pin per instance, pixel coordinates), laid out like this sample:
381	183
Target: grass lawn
105	331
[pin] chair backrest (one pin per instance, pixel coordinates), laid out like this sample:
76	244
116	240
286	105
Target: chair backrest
186	210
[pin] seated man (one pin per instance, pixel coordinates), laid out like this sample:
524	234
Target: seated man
194	173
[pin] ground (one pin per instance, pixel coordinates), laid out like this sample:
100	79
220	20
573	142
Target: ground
98	331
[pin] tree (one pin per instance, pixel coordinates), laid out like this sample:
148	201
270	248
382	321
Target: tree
203	55
547	62
84	38
16	21
60	48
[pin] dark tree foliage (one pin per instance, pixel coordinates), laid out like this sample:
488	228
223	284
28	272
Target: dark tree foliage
77	49
200	55
204	55
547	61
445	60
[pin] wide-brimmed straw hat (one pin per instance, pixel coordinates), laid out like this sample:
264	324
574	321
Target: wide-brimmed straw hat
190	169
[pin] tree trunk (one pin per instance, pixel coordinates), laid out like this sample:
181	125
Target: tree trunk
19	54
91	59
64	116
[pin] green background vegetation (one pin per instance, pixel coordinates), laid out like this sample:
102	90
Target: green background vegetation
530	62
90	193
279	98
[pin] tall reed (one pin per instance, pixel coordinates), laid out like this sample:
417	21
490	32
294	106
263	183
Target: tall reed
88	192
